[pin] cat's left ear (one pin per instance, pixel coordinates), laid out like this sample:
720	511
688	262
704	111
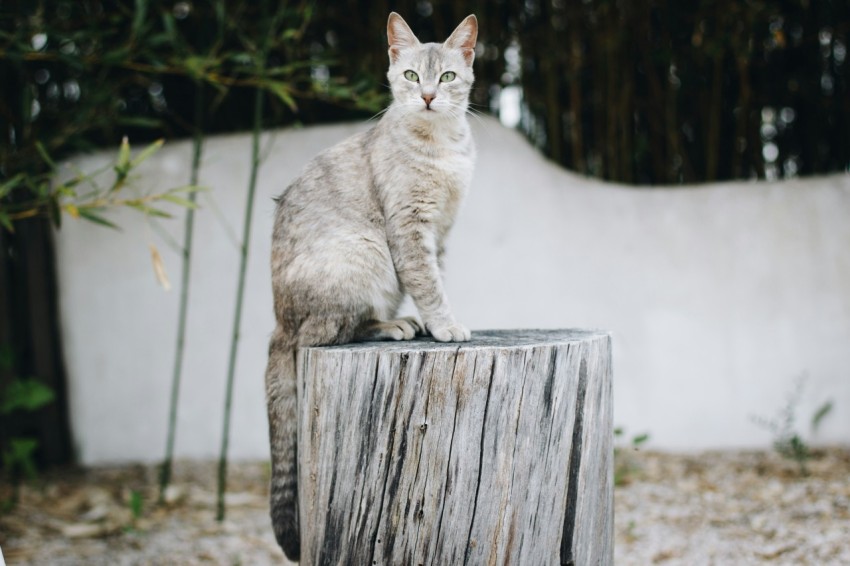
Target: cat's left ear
464	38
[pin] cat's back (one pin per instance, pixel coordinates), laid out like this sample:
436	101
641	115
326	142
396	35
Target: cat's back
329	229
333	187
332	170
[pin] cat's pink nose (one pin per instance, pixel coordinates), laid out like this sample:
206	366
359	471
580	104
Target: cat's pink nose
428	98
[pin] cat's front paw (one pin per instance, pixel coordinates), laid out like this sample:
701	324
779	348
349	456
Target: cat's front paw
451	332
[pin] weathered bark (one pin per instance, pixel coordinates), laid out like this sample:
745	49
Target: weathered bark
497	450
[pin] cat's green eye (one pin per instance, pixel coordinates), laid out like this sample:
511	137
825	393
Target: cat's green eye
447	77
411	76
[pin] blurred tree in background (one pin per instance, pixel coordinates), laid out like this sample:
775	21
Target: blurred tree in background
656	92
653	92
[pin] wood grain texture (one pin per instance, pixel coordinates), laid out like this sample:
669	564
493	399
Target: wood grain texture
494	451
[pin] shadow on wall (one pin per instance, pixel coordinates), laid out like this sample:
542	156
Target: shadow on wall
718	296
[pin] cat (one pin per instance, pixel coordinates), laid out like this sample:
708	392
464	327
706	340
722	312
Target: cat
365	224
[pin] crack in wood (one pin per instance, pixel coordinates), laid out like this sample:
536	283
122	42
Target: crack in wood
553	369
449	459
468	550
422	428
375	540
366	447
567	548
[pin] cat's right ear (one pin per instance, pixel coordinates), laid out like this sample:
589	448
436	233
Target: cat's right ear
399	35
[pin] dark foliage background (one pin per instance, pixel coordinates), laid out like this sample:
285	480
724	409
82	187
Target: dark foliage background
649	92
654	92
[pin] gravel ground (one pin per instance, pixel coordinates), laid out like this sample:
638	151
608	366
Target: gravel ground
724	508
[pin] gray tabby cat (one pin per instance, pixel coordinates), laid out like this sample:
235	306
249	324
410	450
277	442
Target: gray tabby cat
364	225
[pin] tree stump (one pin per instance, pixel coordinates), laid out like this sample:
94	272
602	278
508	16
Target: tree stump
493	451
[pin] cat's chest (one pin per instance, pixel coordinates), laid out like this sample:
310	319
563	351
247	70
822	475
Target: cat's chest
444	168
437	180
449	171
428	176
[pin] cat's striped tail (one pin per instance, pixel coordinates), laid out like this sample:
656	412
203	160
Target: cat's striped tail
281	399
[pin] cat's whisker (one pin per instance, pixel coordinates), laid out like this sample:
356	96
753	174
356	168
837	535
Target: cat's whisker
466	109
478	115
378	114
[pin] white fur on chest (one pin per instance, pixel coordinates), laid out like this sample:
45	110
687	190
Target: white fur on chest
425	171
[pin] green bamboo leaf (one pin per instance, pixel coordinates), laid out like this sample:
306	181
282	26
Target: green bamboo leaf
639	439
116	56
282	92
97	219
819	415
140	122
123	155
139	17
66	189
55	212
198	66
158	40
189	189
147	152
289	69
11	184
6	222
143	208
178	200
307	13
44	155
170	25
220	12
7	357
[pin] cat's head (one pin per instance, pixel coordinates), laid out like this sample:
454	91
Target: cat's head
431	79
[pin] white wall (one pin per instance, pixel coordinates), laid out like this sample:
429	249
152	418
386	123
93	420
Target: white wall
719	297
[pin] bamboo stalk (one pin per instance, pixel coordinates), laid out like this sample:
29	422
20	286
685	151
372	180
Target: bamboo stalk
626	122
188	232
744	100
713	136
612	93
576	133
243	264
552	74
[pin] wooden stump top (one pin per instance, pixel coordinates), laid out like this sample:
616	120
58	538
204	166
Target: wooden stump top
481	339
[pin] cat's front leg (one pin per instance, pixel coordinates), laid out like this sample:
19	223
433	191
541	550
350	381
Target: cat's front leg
413	245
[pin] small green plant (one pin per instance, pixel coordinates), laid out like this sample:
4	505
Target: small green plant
18	452
624	463
819	415
787	440
136	504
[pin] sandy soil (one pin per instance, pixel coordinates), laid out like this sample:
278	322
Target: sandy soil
715	508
